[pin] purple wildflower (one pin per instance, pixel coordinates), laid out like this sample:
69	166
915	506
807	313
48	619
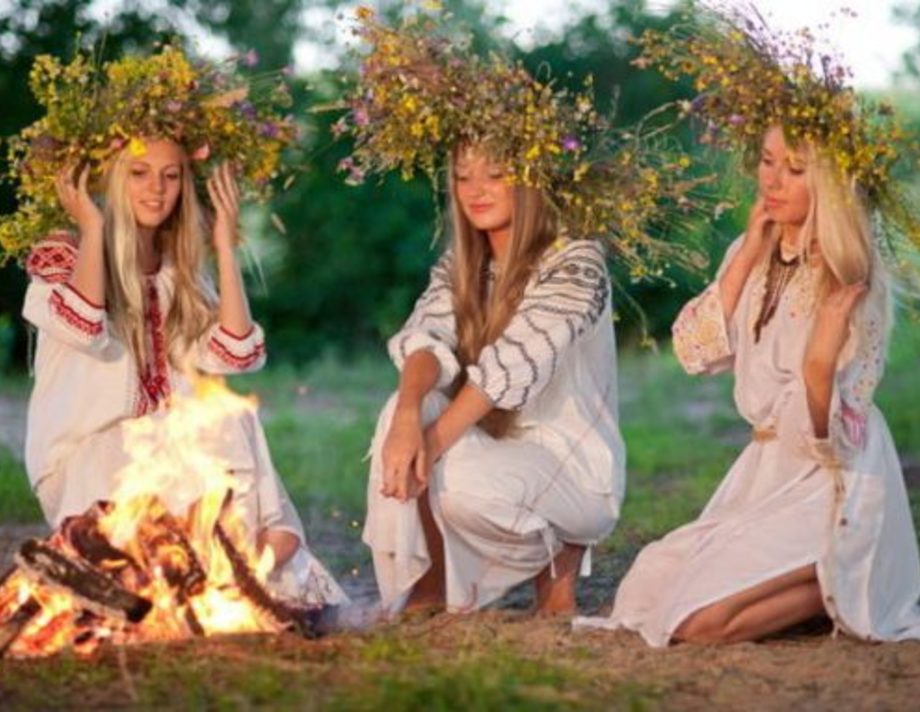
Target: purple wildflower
250	59
247	109
570	144
360	116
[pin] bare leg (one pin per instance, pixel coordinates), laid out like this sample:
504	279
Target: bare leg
766	608
430	590
557	595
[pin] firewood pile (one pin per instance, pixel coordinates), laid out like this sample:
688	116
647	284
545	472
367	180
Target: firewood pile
173	578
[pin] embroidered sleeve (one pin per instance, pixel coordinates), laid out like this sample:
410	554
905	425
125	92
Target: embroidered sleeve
565	301
858	375
54	306
223	352
702	337
431	326
859	371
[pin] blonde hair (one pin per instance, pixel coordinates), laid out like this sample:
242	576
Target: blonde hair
838	233
483	314
181	242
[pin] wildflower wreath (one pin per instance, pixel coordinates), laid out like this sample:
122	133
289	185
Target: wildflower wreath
422	92
749	77
95	110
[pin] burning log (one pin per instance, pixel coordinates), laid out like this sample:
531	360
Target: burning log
14	625
165	544
83	535
97	590
300	620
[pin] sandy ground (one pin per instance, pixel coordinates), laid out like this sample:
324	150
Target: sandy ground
808	669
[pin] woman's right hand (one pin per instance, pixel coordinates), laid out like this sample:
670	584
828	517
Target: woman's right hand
76	200
755	235
404	455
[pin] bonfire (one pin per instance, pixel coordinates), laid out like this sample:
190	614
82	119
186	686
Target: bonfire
168	557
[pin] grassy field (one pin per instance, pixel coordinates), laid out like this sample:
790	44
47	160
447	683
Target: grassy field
682	434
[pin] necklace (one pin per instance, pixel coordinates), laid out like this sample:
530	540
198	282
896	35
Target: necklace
779	274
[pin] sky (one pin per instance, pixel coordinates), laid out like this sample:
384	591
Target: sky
872	44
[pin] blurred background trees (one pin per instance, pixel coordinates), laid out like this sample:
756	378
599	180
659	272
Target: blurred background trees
346	270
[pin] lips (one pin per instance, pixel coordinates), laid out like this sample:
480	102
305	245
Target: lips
480	207
774	202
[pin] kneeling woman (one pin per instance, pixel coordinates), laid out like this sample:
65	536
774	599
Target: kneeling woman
499	458
812	519
125	312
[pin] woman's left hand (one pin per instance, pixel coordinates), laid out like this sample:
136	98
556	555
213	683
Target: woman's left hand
225	197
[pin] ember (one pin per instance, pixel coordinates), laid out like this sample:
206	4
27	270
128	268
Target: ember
168	558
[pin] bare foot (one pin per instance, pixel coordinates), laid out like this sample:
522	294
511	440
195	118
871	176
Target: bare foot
556	596
427	595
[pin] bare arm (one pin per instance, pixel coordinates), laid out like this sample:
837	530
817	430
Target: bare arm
732	281
234	306
468	408
823	351
88	276
405	458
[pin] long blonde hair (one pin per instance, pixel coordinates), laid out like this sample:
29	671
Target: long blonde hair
482	314
180	241
839	229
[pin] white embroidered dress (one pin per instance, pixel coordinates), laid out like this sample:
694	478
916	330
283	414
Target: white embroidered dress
504	507
777	508
87	387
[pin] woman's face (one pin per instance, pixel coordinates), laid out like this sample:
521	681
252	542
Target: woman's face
483	191
155	182
782	180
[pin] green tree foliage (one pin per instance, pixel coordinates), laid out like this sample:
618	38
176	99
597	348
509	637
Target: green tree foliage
352	259
29	28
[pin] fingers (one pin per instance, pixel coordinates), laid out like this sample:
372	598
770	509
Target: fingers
66	189
223	189
83	181
213	194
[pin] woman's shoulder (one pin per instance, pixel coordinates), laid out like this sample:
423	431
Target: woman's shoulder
53	257
575	255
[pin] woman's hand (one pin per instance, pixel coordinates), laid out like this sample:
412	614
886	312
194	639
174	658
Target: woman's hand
76	200
225	197
755	235
405	456
733	280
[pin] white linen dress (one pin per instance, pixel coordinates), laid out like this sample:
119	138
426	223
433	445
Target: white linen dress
790	499
88	390
505	507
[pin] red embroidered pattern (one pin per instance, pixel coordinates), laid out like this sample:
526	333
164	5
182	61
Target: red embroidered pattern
154	387
239	362
62	309
52	260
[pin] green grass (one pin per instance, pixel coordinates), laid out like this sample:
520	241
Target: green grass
394	668
17	503
682	434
